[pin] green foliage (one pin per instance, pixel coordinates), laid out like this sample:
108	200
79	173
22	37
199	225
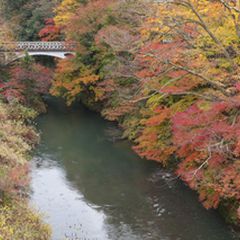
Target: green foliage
27	16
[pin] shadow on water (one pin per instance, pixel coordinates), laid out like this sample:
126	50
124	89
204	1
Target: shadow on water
93	188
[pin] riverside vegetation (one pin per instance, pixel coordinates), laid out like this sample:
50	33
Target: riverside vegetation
17	220
18	138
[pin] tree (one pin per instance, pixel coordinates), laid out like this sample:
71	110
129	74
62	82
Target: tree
28	81
50	32
27	17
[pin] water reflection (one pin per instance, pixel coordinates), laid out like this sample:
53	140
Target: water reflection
92	188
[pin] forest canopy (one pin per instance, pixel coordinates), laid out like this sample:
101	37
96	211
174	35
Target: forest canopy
166	71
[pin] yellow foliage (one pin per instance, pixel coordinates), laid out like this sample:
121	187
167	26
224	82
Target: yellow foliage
18	222
65	11
17	139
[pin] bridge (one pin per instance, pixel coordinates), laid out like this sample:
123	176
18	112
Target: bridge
16	50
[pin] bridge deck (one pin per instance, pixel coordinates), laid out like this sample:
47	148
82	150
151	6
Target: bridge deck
37	46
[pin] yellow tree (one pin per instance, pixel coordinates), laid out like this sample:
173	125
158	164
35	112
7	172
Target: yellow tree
65	11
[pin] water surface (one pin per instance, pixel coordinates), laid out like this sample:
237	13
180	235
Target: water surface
93	188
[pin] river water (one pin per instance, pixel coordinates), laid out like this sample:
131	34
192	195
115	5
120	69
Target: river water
90	187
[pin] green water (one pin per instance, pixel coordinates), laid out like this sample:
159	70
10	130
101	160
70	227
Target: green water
91	187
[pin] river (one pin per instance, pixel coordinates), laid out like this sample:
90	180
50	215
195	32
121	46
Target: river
90	187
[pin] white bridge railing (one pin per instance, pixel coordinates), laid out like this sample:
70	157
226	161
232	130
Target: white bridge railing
37	46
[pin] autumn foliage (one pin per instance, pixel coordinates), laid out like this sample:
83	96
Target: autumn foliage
168	72
50	32
17	140
26	83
